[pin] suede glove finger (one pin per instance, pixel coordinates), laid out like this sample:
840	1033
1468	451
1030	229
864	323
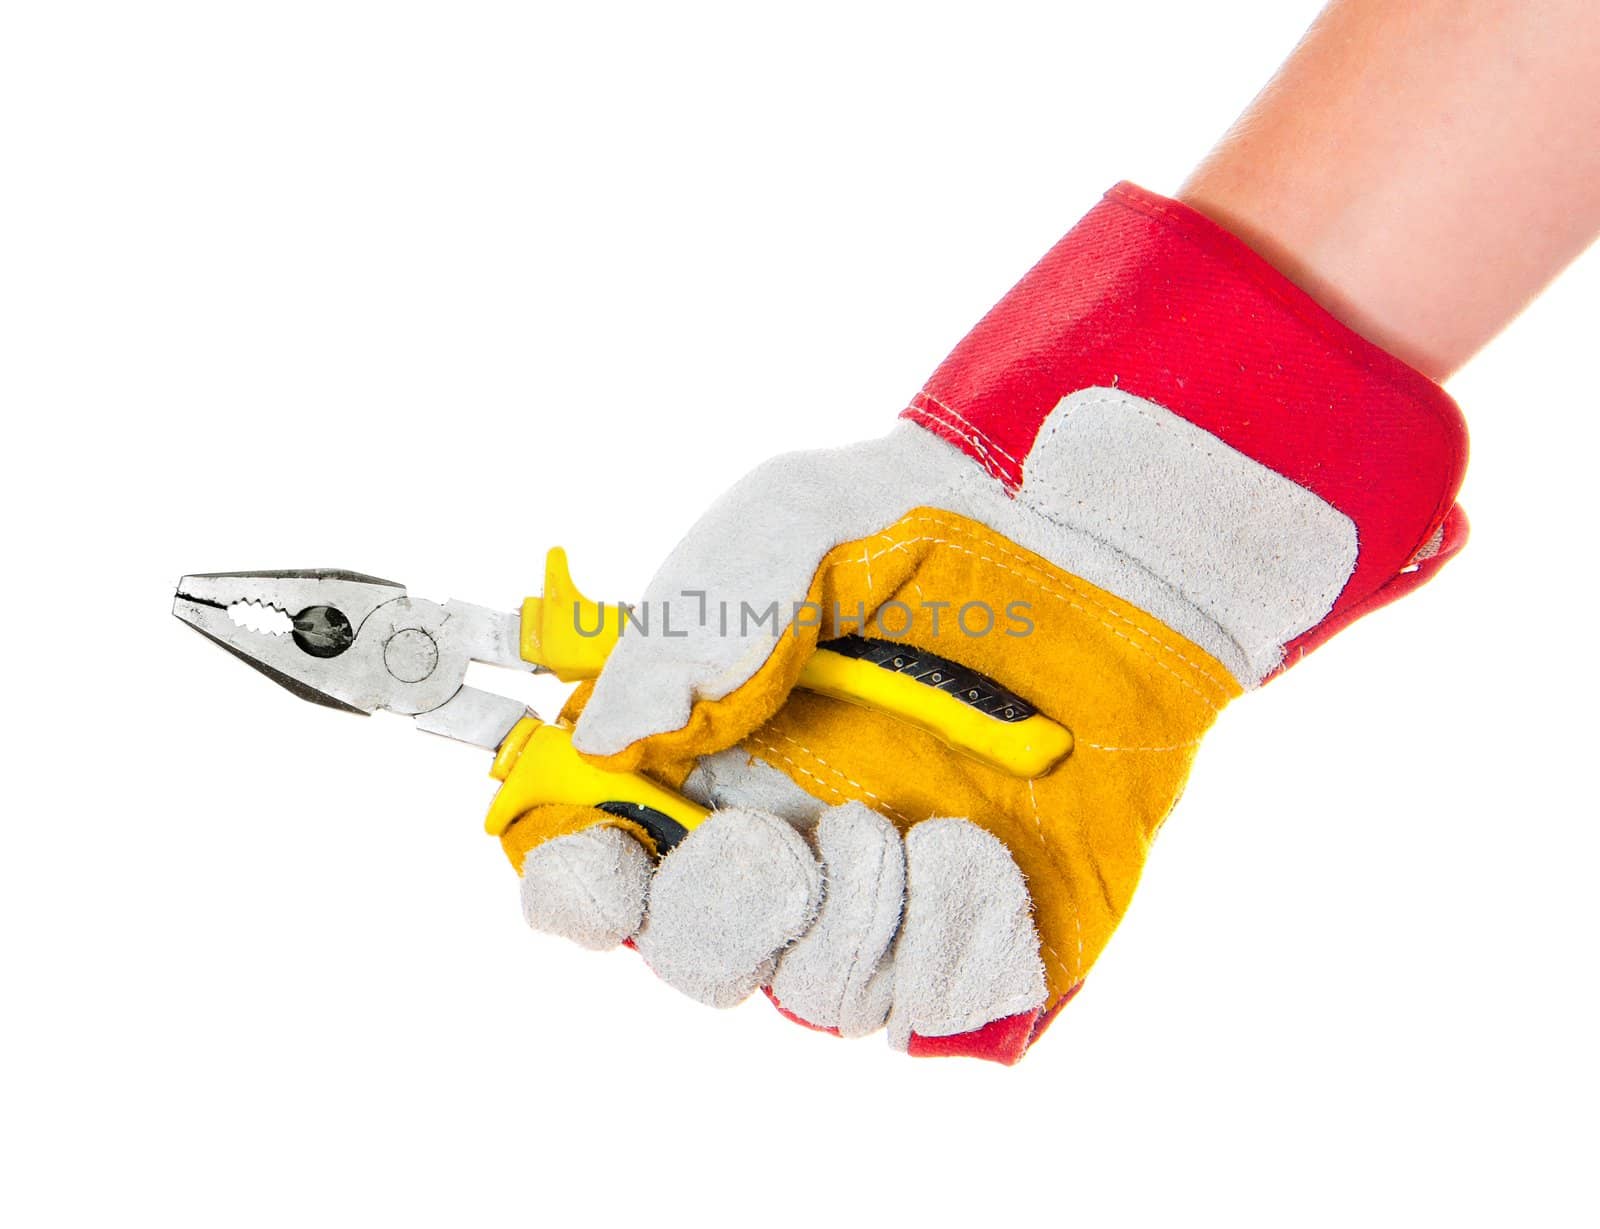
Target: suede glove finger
741	902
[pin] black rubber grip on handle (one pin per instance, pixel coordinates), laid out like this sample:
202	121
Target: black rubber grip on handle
663	829
976	690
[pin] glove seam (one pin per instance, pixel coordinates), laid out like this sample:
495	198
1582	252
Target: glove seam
877	803
1077	922
1170	747
967	422
978	439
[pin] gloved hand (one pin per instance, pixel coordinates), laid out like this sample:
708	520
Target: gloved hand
1154	475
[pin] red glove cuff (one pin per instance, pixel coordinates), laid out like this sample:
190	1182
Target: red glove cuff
1150	297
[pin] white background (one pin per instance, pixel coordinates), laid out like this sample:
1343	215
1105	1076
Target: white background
421	290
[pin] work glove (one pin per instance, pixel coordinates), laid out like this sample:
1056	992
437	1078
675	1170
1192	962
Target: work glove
1156	474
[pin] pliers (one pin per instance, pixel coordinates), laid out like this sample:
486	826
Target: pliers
360	644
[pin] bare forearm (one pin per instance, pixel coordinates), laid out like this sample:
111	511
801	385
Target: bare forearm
1422	168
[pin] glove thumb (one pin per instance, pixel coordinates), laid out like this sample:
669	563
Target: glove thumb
728	622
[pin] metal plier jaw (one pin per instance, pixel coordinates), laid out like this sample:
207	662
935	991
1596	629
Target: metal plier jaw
361	644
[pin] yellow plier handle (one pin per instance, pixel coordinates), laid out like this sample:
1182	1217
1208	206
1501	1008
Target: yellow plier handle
938	697
538	764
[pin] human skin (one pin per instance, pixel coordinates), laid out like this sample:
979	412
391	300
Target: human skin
1422	168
